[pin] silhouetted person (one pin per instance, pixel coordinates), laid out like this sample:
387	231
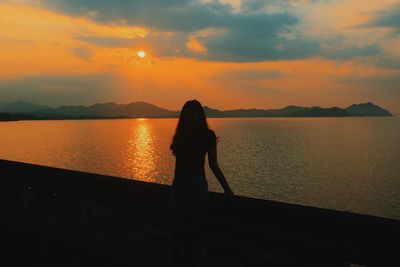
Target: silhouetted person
189	194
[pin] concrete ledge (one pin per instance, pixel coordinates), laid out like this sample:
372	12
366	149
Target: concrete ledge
257	226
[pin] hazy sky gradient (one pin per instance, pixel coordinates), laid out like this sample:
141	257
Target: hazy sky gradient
227	54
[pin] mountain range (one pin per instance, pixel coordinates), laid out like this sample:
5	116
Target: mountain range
26	110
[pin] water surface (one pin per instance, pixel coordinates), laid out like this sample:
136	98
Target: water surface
349	164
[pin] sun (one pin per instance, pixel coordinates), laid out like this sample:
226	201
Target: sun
141	54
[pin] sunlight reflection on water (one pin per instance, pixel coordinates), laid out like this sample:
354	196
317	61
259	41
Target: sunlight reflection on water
140	157
347	164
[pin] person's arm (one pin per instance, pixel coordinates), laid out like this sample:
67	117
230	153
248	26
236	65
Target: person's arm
213	163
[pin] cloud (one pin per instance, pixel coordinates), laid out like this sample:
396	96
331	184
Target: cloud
388	62
161	44
262	5
246	46
247	39
242	36
387	18
58	89
350	51
163	15
233	46
257	31
253	5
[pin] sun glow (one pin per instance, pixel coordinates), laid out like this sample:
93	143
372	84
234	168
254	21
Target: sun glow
141	54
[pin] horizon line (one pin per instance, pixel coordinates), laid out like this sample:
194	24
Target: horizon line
204	106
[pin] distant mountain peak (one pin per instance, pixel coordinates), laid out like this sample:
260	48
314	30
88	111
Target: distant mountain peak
365	104
142	102
21	107
208	108
367	109
292	106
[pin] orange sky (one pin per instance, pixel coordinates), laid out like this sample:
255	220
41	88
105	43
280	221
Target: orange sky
52	55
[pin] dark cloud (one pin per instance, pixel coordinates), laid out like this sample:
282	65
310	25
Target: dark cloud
234	46
388	62
262	5
350	51
253	5
245	35
58	89
163	15
244	46
388	18
246	39
249	35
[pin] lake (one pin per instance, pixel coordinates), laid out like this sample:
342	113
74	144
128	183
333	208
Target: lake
347	164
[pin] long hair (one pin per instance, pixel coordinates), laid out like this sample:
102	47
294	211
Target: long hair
192	122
